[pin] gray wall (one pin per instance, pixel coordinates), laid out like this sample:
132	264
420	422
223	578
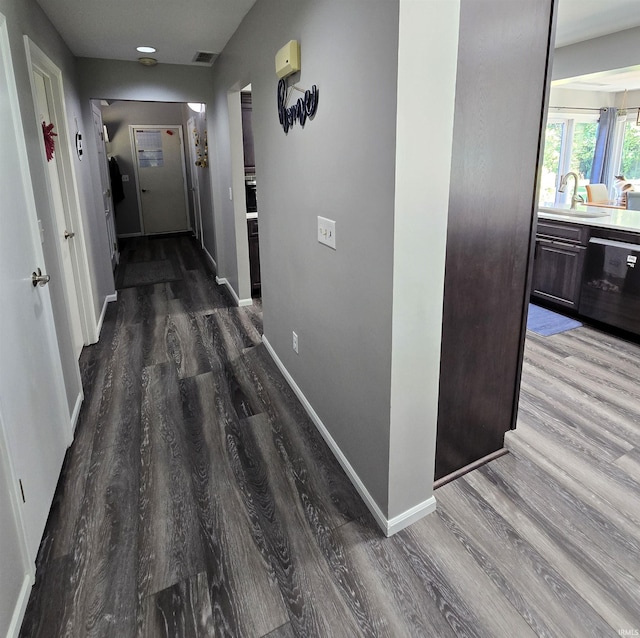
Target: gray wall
614	51
118	116
342	166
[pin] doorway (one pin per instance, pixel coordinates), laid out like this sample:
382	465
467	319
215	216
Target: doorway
34	417
65	233
105	184
70	247
121	119
195	160
161	178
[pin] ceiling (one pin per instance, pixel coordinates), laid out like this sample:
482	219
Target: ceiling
113	29
580	20
614	81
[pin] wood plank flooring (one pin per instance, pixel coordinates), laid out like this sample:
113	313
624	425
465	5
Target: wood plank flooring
199	500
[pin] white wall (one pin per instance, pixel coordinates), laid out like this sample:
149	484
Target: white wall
428	32
568	98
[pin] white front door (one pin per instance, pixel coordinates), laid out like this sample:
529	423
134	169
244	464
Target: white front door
107	200
64	227
32	393
160	172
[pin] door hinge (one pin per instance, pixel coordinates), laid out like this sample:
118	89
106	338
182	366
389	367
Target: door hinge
24	500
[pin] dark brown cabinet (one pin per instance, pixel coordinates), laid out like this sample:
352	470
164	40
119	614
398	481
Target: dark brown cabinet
559	263
254	257
247	134
489	236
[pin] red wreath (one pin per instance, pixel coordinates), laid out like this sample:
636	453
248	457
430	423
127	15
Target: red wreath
49	142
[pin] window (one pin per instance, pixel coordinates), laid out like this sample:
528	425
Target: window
569	146
551	169
630	157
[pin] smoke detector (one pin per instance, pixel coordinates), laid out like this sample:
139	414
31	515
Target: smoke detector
148	61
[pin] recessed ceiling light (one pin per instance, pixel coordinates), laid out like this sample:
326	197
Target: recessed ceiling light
148	61
146	49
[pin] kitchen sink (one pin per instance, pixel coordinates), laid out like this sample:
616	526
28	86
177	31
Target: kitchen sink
579	212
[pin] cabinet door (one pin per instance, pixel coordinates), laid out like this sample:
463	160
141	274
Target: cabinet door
254	257
247	134
557	272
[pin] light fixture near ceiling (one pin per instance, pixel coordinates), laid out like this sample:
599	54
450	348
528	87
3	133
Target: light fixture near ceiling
148	61
146	49
196	106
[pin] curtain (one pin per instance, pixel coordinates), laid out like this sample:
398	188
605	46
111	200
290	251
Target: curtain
604	145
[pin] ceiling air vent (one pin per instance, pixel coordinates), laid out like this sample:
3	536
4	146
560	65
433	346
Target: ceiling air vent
204	57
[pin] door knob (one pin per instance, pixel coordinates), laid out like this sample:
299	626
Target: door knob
37	278
68	235
144	190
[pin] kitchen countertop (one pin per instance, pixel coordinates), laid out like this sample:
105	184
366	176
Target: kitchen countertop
622	219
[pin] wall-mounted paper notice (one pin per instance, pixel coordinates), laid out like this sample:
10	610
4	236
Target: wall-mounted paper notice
149	143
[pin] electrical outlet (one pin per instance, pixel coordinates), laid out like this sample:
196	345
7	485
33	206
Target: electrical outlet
125	178
295	342
327	232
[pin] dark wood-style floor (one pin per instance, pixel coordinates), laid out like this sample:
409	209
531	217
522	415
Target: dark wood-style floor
199	500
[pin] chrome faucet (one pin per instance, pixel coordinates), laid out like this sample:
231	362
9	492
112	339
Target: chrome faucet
575	198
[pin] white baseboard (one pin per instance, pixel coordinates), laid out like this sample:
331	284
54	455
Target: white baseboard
21	606
76	411
210	258
388	526
107	299
412	515
223	281
125	235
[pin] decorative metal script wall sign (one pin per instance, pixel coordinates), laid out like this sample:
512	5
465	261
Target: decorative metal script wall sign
304	107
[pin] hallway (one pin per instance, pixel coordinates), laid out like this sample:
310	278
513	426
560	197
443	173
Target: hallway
198	499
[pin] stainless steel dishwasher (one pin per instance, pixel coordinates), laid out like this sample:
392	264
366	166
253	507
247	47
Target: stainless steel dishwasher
611	284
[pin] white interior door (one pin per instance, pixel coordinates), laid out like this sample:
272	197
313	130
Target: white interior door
64	228
161	178
192	131
107	200
32	392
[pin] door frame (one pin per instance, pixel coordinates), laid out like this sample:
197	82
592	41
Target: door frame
38	61
105	185
134	154
195	180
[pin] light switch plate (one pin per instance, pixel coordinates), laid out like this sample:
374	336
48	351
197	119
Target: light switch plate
327	232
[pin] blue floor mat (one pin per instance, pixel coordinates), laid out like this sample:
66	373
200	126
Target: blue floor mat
545	322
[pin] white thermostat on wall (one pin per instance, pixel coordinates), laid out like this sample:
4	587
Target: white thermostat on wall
288	59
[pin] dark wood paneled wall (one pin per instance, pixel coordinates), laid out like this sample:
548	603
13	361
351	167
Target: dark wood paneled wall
501	93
